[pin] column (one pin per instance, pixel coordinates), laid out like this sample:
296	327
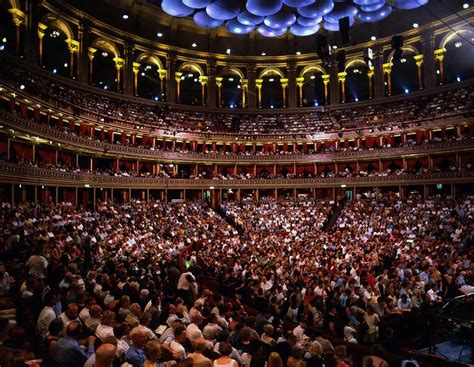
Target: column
18	18
419	64
219	90
203	81
284	85
162	75
41	32
136	70
387	71
30	26
119	64
171	81
252	86
83	57
299	84
258	84
177	79
244	87
128	69
211	83
292	88
90	55
341	77
370	75
428	45
73	46
379	82
439	57
326	78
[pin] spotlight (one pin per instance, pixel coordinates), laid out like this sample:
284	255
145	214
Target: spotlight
159	34
356	99
458	79
407	91
228	51
465	6
271	80
313	77
194	44
105	54
263	53
22	87
458	44
105	87
55	71
415	25
271	106
373	38
125	16
298	52
157	98
65	64
143	74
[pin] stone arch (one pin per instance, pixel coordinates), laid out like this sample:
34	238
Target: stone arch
271	71
407	48
103	44
54	21
309	68
450	35
355	63
232	70
150	58
191	66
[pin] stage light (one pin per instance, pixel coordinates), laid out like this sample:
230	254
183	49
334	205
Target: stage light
458	79
465	6
159	34
373	38
228	51
194	44
22	87
263	53
407	91
415	25
298	52
125	16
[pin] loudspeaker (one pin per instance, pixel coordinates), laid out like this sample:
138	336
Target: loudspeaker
341	61
397	42
344	29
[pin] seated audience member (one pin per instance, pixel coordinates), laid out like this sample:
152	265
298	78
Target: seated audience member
68	352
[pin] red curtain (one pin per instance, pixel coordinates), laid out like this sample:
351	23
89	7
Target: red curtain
22	151
47	156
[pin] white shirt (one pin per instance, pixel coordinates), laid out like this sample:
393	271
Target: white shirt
45	317
193	332
103	331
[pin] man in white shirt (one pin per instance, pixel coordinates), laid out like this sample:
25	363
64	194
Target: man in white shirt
193	331
71	314
47	314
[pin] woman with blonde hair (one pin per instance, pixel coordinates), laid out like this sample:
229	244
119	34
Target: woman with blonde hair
274	360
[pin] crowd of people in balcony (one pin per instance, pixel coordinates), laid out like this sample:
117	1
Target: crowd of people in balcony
130	282
104	109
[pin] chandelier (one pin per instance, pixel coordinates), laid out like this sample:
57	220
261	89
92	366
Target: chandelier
273	18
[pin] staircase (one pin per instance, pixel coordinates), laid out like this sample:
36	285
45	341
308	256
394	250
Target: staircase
336	212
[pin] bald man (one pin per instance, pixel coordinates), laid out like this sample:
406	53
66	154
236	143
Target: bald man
95	359
105	355
198	358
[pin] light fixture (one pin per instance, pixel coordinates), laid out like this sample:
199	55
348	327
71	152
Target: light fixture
143	74
316	104
157	98
298	52
194	44
182	78
22	87
313	77
403	60
228	51
343	185
271	106
458	44
437	71
415	25
159	34
105	54
458	79
465	5
19	186
55	71
407	91
263	53
105	87
195	79
334	47
355	71
373	38
125	16
238	87
231	79
65	64
4	39
356	99
271	80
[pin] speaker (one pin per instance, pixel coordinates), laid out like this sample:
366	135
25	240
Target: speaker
344	29
341	60
397	42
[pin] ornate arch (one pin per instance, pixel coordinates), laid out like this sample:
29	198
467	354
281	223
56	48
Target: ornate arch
232	70
271	71
354	63
309	68
54	21
106	45
193	67
407	48
150	58
449	36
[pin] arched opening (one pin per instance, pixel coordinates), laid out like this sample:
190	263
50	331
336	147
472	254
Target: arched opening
404	72
272	91
104	68
313	88
357	81
231	90
458	58
190	85
149	84
56	56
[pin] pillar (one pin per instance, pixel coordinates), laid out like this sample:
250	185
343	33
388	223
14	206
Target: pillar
419	65
211	83
171	81
258	84
326	79
341	77
41	32
379	82
427	43
73	47
244	87
252	86
30	26
162	76
219	90
292	88
387	71
177	79
136	70
439	57
83	56
119	64
18	18
299	84
284	85
128	70
370	75
203	80
90	55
